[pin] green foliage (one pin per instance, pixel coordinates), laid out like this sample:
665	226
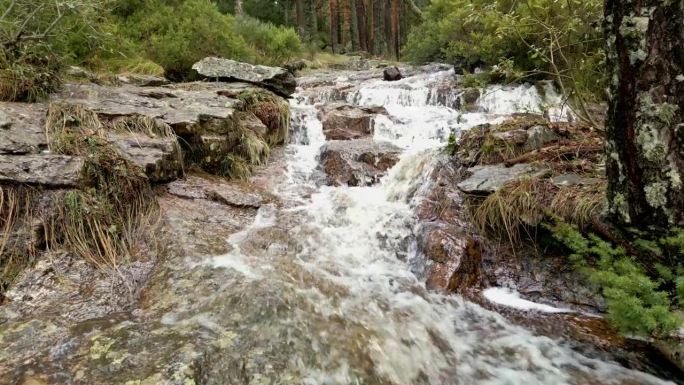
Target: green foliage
539	37
641	296
35	40
452	145
273	45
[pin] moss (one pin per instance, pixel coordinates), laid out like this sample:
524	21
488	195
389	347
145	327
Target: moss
656	194
621	207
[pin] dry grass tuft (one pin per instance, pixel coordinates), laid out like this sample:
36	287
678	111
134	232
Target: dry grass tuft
522	205
17	238
29	75
249	145
103	220
143	124
272	110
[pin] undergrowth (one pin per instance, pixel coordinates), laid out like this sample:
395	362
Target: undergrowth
102	220
643	292
17	238
273	111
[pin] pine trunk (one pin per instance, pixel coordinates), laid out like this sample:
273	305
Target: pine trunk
361	25
379	26
313	19
301	18
238	8
396	6
334	18
354	25
644	129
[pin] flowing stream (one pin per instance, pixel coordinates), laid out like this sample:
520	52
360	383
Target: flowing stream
349	304
325	286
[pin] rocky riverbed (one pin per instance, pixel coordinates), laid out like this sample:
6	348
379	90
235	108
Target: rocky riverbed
345	256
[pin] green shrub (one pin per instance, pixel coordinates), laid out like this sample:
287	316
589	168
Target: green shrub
541	37
641	296
274	45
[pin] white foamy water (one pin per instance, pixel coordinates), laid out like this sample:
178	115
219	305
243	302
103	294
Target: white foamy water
352	312
508	297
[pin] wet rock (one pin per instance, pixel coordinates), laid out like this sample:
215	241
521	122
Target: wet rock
159	157
187	110
345	122
79	73
45	170
488	179
468	100
22	128
452	249
359	162
278	80
391	74
295	66
234	193
142	80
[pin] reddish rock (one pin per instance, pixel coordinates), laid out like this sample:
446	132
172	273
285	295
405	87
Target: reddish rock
344	122
360	162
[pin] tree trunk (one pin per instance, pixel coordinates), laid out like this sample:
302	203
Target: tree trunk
644	129
396	6
371	26
354	25
379	26
388	27
238	8
313	19
301	19
334	34
361	25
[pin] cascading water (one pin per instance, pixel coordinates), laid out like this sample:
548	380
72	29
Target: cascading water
346	307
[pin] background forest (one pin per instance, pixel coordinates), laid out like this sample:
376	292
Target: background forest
514	40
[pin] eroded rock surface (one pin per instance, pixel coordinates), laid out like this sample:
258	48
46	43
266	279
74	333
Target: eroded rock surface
278	80
345	122
488	179
22	128
159	157
359	162
47	170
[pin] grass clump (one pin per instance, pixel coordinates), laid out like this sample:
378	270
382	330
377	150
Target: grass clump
273	111
104	219
18	240
28	73
643	292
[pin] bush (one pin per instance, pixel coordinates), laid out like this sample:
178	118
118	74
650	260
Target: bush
274	45
36	39
641	296
541	37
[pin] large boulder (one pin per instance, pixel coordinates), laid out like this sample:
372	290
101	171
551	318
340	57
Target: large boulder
345	122
22	128
45	170
359	162
391	74
276	79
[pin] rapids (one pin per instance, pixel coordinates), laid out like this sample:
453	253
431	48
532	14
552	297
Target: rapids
321	286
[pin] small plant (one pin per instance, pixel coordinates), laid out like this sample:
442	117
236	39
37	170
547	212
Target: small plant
271	110
641	296
452	145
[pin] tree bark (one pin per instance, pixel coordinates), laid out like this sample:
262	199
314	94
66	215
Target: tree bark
361	24
334	34
644	129
301	19
396	6
313	19
238	8
354	25
379	26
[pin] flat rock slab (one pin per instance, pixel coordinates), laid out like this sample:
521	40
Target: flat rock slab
360	162
278	80
235	193
22	128
488	179
44	170
185	107
159	157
